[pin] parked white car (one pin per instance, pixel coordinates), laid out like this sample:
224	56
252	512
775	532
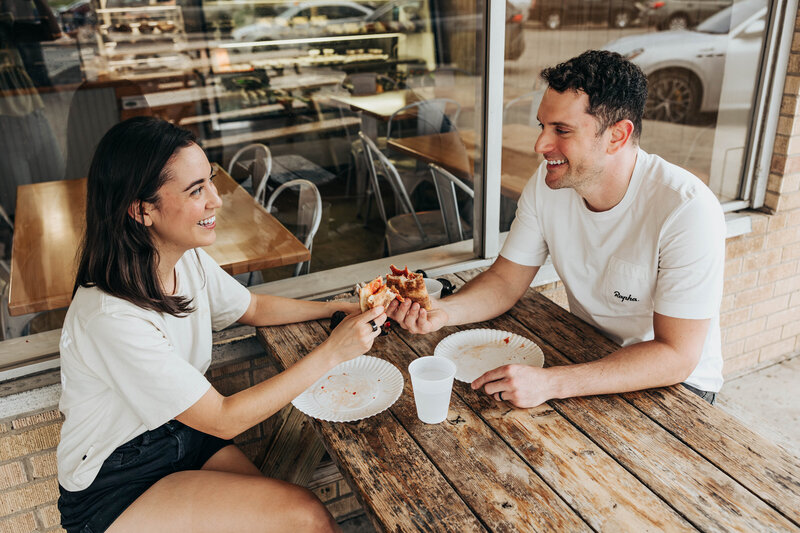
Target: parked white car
686	68
304	19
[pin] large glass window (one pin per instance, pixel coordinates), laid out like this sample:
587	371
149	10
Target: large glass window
701	58
357	97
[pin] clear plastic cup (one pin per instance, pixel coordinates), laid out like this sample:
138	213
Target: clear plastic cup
434	287
432	382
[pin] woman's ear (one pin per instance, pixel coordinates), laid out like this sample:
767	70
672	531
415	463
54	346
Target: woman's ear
140	212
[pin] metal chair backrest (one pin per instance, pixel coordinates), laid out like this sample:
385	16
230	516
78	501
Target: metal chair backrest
529	107
432	116
374	157
309	214
446	184
256	159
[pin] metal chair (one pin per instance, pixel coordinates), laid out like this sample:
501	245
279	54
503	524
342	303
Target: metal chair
309	215
445	182
253	162
10	326
409	230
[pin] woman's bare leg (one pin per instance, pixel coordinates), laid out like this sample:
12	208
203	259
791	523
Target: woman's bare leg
231	459
228	494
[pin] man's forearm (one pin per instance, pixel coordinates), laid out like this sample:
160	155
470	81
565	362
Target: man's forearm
485	297
640	366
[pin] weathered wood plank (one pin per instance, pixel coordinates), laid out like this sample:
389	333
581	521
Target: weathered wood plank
497	485
605	495
393	479
295	451
768	471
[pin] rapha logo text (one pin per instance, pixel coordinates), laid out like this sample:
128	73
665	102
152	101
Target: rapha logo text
624	298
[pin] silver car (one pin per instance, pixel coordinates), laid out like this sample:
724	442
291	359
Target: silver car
686	68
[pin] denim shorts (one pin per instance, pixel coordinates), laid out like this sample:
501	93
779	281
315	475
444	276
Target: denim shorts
130	470
708	396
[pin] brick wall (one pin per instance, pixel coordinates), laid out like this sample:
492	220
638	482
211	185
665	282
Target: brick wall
28	483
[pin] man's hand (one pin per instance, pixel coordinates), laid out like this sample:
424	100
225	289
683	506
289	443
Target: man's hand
520	385
415	319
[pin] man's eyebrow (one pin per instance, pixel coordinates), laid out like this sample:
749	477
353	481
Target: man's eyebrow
559	124
198	182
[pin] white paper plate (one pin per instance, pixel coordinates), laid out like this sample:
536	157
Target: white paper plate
477	351
355	389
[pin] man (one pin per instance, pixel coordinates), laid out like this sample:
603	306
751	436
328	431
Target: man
638	242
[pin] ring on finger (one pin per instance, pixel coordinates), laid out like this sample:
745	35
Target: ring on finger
374	326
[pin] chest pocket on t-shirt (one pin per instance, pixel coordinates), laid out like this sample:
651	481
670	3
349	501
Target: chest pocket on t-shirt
628	287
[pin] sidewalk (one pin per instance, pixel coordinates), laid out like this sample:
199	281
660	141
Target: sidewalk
768	402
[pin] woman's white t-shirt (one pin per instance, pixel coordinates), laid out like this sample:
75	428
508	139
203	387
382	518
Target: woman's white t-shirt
661	249
126	370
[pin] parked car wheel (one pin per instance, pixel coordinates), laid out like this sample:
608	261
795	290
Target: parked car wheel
679	21
672	96
552	20
621	18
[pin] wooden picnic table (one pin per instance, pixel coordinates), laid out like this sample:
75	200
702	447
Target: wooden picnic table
51	220
654	460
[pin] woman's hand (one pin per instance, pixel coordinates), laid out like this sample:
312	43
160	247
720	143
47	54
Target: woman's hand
354	335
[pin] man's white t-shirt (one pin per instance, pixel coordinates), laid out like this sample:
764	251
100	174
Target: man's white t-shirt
126	370
661	249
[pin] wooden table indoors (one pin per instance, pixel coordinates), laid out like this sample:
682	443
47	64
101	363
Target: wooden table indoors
455	151
656	460
50	222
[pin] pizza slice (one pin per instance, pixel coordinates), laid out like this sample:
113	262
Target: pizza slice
409	285
375	293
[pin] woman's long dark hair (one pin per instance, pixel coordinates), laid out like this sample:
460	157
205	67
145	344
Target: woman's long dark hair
118	254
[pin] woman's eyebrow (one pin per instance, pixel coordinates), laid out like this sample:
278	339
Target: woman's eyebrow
195	182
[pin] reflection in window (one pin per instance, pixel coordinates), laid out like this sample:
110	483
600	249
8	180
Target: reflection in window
701	73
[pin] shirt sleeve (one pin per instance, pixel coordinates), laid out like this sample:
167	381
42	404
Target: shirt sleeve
692	260
135	358
228	299
525	244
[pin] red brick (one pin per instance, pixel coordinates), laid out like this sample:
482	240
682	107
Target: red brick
737	284
28	496
12	474
770	306
733	267
39	418
738	364
760	340
792	329
759	260
35	440
743	245
727	302
788	286
759	222
783	237
789	102
792	84
777	350
772	201
21	523
774	182
790	252
781	145
745	330
43	465
771	274
732	349
753	296
731	318
49	516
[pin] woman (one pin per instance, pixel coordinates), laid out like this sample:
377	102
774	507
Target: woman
145	443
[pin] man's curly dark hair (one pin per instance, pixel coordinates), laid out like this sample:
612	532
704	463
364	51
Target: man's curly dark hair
617	88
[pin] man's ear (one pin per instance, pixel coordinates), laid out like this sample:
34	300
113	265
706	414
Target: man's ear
621	133
140	212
